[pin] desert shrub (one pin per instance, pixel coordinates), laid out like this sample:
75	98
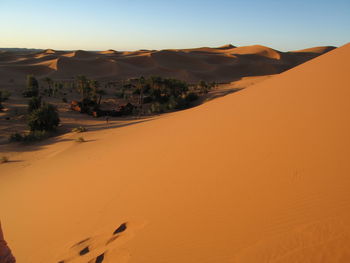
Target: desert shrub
35	136
181	103
80	139
4	159
190	97
171	103
32	136
16	137
158	107
32	89
155	107
79	129
34	103
4	95
44	119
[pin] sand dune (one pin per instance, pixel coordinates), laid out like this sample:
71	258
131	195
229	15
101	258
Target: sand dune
110	51
227	46
258	50
315	50
222	64
257	176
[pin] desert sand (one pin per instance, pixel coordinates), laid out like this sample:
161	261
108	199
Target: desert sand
261	175
222	64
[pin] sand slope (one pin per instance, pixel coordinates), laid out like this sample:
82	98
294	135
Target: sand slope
257	176
222	64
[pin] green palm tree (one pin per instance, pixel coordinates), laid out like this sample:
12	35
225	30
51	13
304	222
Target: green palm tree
49	84
96	91
83	86
101	93
141	85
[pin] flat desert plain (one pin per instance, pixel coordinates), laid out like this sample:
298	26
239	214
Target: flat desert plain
261	175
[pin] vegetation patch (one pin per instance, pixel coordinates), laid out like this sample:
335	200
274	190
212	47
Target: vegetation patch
138	96
4	96
79	129
4	159
32	136
80	139
44	118
32	89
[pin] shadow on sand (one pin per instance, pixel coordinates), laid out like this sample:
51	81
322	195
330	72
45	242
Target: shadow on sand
66	128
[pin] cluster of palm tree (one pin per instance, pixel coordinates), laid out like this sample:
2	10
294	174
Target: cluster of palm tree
160	89
89	90
52	88
168	93
161	94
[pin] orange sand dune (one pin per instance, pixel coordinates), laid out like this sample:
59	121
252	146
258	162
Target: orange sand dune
50	51
69	67
320	50
110	51
261	175
222	64
257	50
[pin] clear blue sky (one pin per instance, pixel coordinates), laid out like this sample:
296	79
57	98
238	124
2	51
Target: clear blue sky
159	24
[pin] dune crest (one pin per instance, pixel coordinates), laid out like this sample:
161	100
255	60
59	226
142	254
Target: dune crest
49	51
315	50
228	46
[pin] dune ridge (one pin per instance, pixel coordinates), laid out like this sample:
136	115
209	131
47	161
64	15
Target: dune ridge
257	176
222	64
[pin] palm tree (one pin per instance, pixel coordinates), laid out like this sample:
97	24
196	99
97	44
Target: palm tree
49	83
32	89
96	92
94	87
83	87
100	92
141	85
204	87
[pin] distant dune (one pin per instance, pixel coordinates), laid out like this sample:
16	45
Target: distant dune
319	50
222	64
20	49
258	176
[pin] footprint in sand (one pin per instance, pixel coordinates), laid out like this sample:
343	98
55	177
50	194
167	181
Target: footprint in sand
93	249
120	229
